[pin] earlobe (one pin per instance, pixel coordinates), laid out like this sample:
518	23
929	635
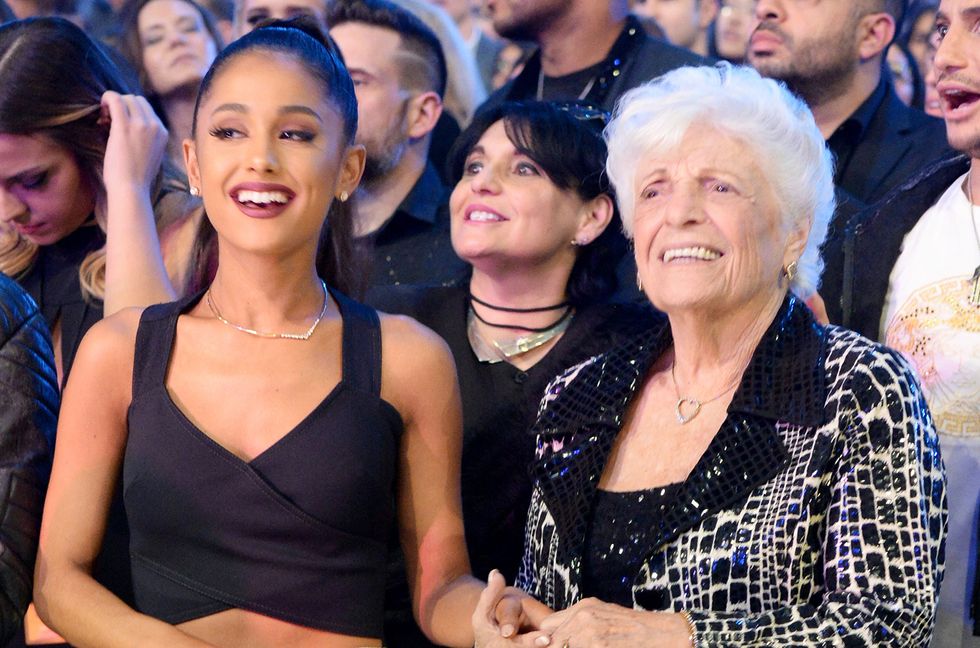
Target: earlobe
190	164
597	215
351	170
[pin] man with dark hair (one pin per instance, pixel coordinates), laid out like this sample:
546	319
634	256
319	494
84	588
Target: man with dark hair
908	275
588	50
399	75
831	53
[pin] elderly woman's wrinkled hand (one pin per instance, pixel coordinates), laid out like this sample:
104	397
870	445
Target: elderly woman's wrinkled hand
592	623
507	617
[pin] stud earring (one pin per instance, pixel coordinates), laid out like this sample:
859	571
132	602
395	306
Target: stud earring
195	191
639	282
344	196
791	270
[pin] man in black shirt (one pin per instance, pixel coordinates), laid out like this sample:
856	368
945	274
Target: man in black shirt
399	75
830	52
588	50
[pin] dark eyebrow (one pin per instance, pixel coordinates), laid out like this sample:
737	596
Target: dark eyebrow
284	110
230	107
476	149
303	110
26	173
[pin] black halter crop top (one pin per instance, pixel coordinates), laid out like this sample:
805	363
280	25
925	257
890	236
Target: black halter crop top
299	533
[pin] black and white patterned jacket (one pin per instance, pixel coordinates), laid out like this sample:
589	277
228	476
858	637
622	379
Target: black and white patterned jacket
816	517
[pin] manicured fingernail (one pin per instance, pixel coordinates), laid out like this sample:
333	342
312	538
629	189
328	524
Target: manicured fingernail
542	641
506	630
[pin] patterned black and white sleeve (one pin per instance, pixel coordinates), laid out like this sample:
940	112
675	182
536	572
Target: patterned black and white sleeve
885	527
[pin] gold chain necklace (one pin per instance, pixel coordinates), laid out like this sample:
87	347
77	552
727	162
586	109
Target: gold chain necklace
693	404
273	336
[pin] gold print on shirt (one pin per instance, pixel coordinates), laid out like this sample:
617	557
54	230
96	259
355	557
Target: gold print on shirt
938	330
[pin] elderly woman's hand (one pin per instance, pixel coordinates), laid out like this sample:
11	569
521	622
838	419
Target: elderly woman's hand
590	623
506	617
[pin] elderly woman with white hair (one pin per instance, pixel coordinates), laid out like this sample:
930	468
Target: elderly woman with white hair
739	475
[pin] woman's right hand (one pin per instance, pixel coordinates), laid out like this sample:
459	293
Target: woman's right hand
502	616
137	142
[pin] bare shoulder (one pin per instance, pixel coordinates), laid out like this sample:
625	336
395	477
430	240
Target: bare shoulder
414	360
402	333
105	356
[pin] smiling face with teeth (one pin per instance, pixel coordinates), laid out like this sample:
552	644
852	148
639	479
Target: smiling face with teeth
269	163
506	212
708	230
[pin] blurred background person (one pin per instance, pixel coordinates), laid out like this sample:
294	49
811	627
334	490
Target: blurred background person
686	23
484	47
171	44
533	216
588	51
399	75
249	13
223	13
832	55
732	29
464	89
29	399
711	480
81	157
905	76
917	34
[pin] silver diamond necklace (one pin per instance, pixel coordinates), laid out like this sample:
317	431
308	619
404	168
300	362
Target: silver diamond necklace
273	336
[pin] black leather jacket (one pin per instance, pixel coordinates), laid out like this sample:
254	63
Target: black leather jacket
28	414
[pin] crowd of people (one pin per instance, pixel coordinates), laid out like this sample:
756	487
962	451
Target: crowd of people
570	323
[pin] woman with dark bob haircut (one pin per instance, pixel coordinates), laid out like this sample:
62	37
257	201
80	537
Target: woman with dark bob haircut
533	213
266	447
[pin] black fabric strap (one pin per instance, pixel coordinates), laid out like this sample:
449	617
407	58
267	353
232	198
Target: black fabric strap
154	341
361	345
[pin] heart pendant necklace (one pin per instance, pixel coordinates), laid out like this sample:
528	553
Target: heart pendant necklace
688	408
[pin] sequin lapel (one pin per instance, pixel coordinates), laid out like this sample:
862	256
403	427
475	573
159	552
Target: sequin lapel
785	382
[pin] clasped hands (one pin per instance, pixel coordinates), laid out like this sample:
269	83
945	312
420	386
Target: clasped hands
505	617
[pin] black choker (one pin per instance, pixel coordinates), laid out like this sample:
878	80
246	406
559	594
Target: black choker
543	329
505	309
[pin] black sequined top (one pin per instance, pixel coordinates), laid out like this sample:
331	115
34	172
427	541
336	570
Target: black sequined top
619	539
